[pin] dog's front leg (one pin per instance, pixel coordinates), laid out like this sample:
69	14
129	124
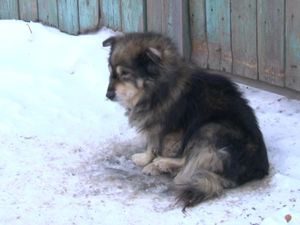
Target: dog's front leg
143	159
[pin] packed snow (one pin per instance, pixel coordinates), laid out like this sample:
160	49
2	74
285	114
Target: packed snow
65	149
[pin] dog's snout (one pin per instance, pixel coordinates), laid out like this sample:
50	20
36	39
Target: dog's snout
111	94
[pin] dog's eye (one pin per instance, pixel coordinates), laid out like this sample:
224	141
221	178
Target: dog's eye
125	75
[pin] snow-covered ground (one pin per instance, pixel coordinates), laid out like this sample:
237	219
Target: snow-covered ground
65	150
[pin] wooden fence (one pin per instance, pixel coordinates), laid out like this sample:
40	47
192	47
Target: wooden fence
257	39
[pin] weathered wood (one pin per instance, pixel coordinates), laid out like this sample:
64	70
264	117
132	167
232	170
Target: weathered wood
48	12
111	14
244	44
68	18
293	44
218	35
176	24
9	9
133	15
155	15
270	30
28	10
88	15
199	48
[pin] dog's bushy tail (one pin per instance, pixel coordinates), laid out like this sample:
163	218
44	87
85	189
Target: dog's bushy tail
198	185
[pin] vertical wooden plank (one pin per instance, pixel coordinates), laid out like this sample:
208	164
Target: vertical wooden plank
270	20
155	15
111	14
133	15
28	10
104	8
9	9
176	24
68	16
199	48
218	35
244	44
48	12
88	15
293	44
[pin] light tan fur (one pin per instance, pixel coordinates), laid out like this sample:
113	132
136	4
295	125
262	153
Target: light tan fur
128	95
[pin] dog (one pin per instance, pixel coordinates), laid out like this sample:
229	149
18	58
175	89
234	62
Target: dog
198	126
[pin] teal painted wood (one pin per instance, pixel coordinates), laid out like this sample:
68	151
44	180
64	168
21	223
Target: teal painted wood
111	14
133	15
9	9
271	41
48	12
218	35
199	48
88	15
28	10
155	15
68	18
293	44
244	48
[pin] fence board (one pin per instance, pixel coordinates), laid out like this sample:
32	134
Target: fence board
176	24
68	16
9	9
199	48
28	10
293	44
218	35
88	15
243	31
111	14
133	15
48	12
271	41
155	15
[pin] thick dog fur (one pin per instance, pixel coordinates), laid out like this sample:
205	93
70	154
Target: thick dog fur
198	126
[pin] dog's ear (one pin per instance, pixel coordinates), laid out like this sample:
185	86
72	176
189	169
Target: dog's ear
109	41
154	55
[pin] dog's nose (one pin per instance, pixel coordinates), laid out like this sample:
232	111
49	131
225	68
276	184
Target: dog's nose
111	95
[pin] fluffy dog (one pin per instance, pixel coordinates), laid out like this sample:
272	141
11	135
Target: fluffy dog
198	126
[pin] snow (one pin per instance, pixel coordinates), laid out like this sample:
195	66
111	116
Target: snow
65	149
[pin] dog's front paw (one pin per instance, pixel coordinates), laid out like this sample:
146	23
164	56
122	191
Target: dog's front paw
151	169
142	159
162	164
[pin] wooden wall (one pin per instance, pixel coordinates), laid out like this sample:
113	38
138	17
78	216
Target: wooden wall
256	39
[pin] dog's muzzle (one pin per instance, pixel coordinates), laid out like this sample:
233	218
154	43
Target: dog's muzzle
111	95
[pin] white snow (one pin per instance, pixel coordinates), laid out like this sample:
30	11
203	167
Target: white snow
65	150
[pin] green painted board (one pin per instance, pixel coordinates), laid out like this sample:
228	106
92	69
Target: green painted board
133	15
68	18
28	10
88	15
293	44
48	12
218	35
9	9
111	14
270	20
199	48
155	15
244	44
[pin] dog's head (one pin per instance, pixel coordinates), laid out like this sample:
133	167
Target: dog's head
135	64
